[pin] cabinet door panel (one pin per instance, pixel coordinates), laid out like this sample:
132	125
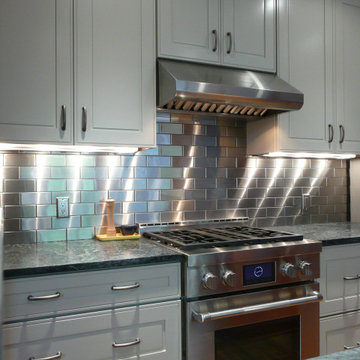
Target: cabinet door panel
252	27
185	29
347	72
35	70
304	61
115	72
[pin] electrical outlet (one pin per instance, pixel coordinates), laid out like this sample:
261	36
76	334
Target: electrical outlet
62	207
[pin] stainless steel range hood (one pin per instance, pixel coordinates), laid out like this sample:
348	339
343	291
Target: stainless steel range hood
218	90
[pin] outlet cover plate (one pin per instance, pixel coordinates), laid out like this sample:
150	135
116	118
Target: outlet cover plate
62	207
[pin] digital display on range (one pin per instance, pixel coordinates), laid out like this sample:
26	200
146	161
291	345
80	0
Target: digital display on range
258	273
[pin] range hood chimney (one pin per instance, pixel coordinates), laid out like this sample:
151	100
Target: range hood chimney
209	89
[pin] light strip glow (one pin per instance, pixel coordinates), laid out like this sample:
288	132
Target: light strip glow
69	148
306	155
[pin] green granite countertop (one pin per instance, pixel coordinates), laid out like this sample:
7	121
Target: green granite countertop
81	255
338	233
353	354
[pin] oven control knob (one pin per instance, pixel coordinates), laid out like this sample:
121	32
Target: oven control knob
305	267
210	281
289	270
229	278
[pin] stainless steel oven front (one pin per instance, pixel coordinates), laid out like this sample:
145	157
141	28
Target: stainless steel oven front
281	323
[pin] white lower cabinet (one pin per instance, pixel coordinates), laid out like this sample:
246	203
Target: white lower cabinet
150	332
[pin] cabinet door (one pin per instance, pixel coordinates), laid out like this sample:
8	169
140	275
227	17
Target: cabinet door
347	49
304	60
189	30
339	331
35	71
115	72
249	34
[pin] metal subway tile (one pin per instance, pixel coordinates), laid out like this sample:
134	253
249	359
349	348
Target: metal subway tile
144	195
341	190
239	173
147	218
214	151
171	128
133	161
194	151
46	210
163	139
74	196
195	215
154	206
236	193
205	183
330	209
80	234
319	200
223	214
201	140
227	121
19	160
215	194
11	212
171	194
314	219
10	173
51	235
64	223
264	182
194	129
327	191
205	162
293	173
335	181
50	160
205	120
124	219
289	201
38	198
20	237
1	159
193	173
11	225
276	212
169	216
256	212
183	184
109	184
170	150
171	172
300	163
65	172
36	224
124	195
205	204
133	184
217	173
180	161
182	140
340	173
239	132
257	193
267	202
93	220
337	199
226	162
10	199
225	183
134	207
93	196
215	131
147	172
159	183
94	173
227	141
248	183
247	203
159	161
80	160
181	118
82	209
80	185
152	151
163	116
194	194
182	205
107	160
19	185
274	173
34	173
228	204
50	185
338	217
121	172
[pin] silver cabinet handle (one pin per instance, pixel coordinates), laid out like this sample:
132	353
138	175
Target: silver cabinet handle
342	134
83	118
44	297
126	287
131	343
229	36
203	317
63	118
214	32
356	277
58	355
352	347
331	134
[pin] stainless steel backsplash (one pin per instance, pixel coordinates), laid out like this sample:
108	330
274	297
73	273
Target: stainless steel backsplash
198	171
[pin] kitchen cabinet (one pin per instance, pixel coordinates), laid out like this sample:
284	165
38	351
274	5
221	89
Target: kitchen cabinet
340	286
78	72
86	314
323	67
223	32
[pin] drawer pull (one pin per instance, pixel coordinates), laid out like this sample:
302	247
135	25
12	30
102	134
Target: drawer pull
58	355
356	277
131	343
127	287
352	347
45	297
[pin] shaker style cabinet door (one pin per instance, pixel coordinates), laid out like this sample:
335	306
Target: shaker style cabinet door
189	30
347	49
304	60
115	72
35	71
249	34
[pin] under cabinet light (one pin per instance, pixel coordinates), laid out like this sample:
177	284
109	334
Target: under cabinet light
306	155
70	148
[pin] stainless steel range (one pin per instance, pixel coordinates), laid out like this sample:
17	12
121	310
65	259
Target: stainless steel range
249	293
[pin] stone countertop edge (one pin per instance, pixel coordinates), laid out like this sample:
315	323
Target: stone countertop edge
26	260
353	354
337	233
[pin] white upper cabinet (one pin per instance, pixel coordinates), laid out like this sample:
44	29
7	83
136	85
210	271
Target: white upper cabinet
248	34
99	55
35	71
189	30
346	97
236	33
115	72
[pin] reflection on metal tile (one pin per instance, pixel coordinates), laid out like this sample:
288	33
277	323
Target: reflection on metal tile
194	151
19	185
205	140
121	172
50	185
195	129
93	196
36	224
109	184
133	184
20	237
12	224
51	235
79	234
38	198
170	150
80	160
19	160
94	173
163	139
80	185
168	216
205	183
195	215
183	184
81	209
50	160
159	206
46	210
122	195
64	172
71	222
133	161
145	195
194	194
170	172
171	194
205	162
10	173
134	207
10	199
159	183
216	194
205	205
182	140
182	205
147	172
11	212
159	161
225	183
147	218
171	128
74	196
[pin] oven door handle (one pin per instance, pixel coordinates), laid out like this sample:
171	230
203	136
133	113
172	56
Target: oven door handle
203	317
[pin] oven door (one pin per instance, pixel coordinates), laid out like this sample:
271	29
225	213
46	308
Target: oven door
276	324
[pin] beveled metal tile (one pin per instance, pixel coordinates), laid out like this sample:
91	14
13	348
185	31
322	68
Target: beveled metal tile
159	161
51	235
109	184
217	173
205	183
93	196
194	194
36	224
182	140
216	193
134	207
215	131
37	198
194	129
163	116
147	172
171	194
226	162
171	128
180	161
80	160
11	212
159	206
64	223
205	162
11	224
10	173
159	183
19	160
82	209
183	183
124	219
19	185
121	172
163	139
94	173
205	204
65	172
195	215
125	195
10	199
133	160
147	218
201	140
215	151
80	185
93	220
256	212
50	185
191	173
225	183
145	195
194	151
228	204
50	160
171	172
182	205
170	150
227	141
80	234
107	160
34	173
168	216
20	237
133	184
46	210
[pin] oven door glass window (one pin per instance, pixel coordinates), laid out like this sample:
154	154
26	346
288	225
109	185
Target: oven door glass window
271	340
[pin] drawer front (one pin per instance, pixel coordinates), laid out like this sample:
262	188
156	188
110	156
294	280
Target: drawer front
91	336
339	331
340	279
97	290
